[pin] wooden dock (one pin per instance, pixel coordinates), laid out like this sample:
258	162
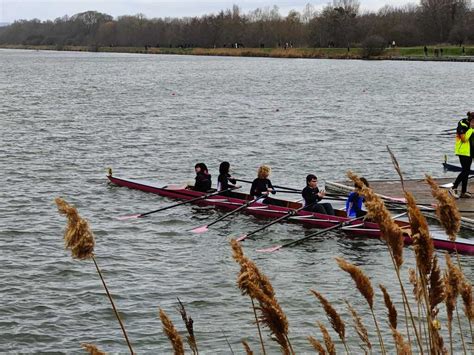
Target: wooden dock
419	188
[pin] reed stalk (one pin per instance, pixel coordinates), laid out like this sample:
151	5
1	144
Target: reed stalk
172	333
79	238
360	327
316	344
122	326
330	347
248	351
333	317
258	327
365	288
188	322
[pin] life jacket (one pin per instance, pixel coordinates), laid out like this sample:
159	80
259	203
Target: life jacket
463	135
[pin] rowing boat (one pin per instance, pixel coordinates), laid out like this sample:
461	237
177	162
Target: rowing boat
451	167
277	208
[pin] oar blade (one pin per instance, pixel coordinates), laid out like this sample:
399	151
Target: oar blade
200	230
270	250
241	238
132	216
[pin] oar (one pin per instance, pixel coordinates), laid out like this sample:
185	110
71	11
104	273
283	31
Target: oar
278	247
275	186
289	214
139	215
205	228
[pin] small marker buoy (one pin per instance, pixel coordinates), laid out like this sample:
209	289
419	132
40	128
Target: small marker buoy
277	110
173	94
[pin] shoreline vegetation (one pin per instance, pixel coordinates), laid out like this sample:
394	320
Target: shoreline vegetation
436	312
433	53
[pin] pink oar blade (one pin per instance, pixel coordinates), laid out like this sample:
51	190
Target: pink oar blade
129	217
241	238
270	250
202	229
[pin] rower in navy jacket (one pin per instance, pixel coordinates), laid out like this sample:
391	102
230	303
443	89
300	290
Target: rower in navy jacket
203	178
262	186
312	196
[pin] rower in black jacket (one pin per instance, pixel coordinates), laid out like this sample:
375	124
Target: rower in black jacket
203	178
262	186
312	196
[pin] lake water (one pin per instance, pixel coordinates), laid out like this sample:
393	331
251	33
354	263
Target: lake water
67	117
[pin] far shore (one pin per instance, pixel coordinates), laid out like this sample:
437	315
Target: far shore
433	53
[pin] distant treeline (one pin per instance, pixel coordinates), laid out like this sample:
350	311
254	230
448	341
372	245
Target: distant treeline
340	24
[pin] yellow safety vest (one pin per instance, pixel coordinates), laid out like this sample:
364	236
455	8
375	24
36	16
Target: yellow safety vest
462	145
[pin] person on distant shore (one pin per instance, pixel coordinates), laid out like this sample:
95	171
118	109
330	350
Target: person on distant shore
262	185
312	195
224	177
355	201
203	178
462	149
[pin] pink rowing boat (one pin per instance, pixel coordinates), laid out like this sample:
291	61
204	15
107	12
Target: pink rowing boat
278	208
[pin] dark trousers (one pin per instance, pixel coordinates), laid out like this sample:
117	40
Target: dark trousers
324	208
464	174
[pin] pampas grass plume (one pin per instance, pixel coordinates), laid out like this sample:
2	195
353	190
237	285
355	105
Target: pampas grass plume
92	349
172	334
77	237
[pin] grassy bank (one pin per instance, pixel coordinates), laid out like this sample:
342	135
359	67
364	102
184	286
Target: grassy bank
433	52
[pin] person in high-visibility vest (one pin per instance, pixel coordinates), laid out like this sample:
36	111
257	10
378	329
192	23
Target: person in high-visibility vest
462	149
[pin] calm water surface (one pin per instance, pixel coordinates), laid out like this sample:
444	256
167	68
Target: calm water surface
66	117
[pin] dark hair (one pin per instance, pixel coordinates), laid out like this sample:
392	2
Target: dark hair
364	181
202	166
310	177
470	115
224	167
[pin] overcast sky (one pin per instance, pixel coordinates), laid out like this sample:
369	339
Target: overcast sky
11	10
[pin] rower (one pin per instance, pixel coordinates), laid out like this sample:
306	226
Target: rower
203	178
262	185
354	201
312	195
224	178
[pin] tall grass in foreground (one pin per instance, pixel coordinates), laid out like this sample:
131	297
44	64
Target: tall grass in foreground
432	288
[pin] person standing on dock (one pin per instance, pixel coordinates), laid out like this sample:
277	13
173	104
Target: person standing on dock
203	180
262	185
355	201
224	177
462	149
312	195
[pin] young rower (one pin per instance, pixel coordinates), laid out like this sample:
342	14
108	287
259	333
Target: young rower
203	178
262	186
312	195
355	201
224	177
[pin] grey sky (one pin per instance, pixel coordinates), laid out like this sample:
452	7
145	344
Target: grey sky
11	10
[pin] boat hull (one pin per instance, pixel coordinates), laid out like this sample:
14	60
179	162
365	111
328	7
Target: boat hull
281	208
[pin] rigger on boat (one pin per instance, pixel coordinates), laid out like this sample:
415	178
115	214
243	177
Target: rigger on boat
276	208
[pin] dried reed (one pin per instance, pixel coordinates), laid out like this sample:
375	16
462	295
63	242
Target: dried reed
330	347
402	346
172	334
392	312
453	281
333	317
248	351
255	284
446	209
92	349
360	327
316	344
77	237
365	288
466	294
390	231
80	240
188	322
